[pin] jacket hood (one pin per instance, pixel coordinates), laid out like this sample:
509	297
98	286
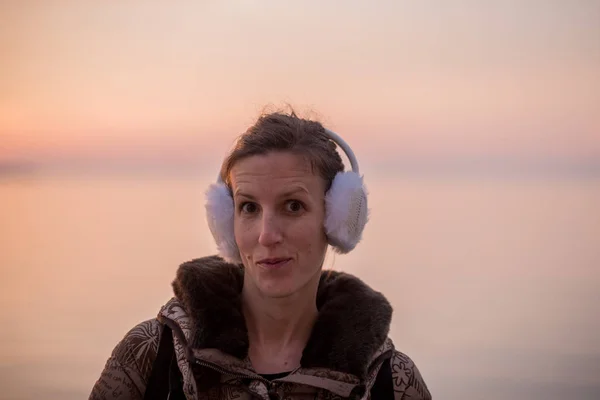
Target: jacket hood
352	325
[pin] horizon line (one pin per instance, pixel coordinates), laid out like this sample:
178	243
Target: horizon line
433	167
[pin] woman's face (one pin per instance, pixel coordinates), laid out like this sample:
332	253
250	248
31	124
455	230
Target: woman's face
278	223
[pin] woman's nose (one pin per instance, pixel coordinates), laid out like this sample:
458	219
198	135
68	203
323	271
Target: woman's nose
270	231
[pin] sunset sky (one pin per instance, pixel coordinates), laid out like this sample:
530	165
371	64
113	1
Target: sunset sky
116	114
145	79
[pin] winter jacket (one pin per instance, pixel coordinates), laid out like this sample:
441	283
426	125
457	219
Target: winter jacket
348	345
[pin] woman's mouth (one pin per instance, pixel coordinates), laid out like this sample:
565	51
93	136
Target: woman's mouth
273	263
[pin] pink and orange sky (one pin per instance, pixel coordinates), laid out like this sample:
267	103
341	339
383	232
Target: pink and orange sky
426	78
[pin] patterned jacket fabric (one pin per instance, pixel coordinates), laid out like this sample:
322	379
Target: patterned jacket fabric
348	345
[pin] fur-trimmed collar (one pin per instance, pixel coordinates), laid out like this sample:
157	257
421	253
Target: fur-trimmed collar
353	319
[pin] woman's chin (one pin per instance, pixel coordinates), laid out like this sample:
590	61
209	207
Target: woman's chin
277	288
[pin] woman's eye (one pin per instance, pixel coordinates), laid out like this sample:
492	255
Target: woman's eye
294	206
248	208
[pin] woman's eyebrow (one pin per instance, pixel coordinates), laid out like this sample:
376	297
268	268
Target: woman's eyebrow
287	193
296	190
242	194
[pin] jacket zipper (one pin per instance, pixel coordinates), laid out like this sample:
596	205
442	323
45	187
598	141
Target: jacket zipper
237	375
224	371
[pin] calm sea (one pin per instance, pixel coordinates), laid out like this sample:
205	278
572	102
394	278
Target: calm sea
495	282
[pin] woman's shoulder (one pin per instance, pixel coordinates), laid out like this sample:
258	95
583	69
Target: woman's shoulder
142	338
126	372
406	377
137	350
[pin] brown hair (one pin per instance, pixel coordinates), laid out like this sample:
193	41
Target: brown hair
280	131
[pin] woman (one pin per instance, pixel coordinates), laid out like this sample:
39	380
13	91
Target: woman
263	320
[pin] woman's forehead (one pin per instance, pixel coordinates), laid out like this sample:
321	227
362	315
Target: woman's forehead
273	163
284	171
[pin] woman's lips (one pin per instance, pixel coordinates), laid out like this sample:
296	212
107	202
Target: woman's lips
273	263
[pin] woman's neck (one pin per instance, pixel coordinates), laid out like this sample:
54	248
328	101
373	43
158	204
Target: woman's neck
278	328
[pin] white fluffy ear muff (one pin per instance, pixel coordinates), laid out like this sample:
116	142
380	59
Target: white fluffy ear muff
219	214
346	211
